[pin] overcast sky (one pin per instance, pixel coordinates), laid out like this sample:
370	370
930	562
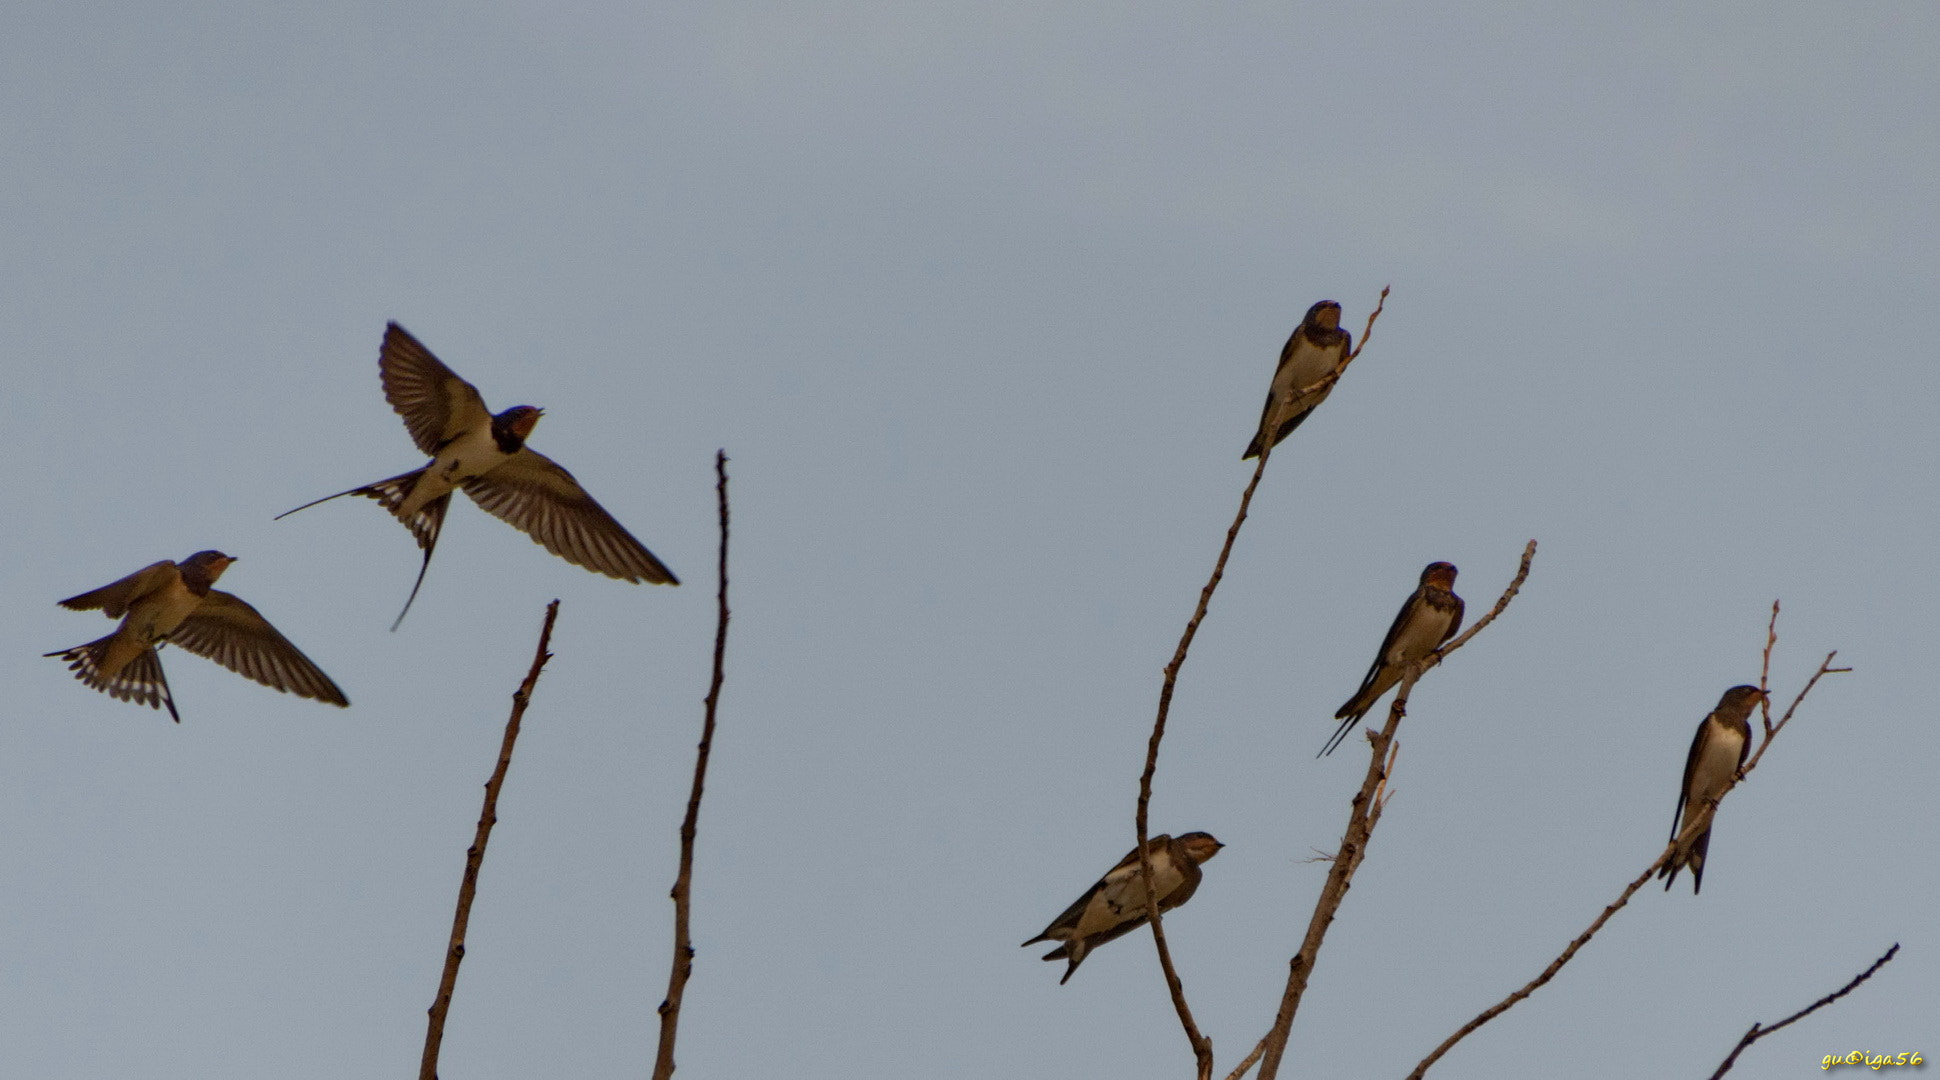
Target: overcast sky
982	304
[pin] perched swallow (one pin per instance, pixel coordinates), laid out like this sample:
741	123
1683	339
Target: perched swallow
1316	348
1717	753
486	455
172	603
1116	905
1428	618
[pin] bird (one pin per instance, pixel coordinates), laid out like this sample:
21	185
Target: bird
1429	617
1116	905
1717	753
173	603
1317	347
485	454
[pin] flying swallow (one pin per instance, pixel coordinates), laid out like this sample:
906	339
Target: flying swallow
486	455
1717	753
1116	905
1317	347
172	603
1429	617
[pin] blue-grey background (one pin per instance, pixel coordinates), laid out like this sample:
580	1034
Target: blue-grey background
982	303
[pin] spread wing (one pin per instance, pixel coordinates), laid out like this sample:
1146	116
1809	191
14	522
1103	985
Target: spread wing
114	599
533	494
231	633
435	403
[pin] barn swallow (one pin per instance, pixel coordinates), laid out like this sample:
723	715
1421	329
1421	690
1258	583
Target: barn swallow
1429	617
1116	905
1317	347
172	603
1717	753
486	455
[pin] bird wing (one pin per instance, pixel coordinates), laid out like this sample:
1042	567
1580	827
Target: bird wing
1402	618
115	598
435	403
1454	621
533	494
1690	770
230	632
1114	879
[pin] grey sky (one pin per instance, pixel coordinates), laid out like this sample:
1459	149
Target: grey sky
982	303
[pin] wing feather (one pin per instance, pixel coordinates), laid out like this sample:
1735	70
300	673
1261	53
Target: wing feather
235	635
435	403
535	495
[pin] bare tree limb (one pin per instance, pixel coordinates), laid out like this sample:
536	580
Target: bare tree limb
1363	814
1556	965
683	963
1758	1031
434	1035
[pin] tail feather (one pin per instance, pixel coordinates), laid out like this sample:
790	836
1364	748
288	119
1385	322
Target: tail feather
140	681
425	523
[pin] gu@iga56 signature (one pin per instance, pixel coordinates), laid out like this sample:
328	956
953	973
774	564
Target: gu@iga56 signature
1874	1062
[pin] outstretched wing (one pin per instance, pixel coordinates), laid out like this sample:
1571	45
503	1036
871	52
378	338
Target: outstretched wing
231	633
435	403
115	598
533	494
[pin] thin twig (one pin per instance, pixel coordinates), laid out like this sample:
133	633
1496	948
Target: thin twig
683	964
1363	814
1758	1031
1248	1061
1765	670
434	1035
1630	890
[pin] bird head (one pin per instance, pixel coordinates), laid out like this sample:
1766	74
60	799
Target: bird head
201	569
1325	315
1439	574
520	419
1199	846
1740	700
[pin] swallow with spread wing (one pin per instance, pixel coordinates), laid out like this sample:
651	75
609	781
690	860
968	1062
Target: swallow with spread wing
1116	905
1717	753
1429	617
173	603
1317	347
486	456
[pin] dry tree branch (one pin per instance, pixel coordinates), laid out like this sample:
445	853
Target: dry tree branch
683	964
1201	1045
1759	1031
1364	813
1556	965
434	1035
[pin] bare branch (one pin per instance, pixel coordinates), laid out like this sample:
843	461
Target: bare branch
1758	1031
434	1035
683	963
1363	814
1630	890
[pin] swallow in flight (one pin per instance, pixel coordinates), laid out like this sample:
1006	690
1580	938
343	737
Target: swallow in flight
486	456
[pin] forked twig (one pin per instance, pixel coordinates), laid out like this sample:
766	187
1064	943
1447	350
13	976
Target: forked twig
683	963
1758	1031
1363	814
1556	965
434	1035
